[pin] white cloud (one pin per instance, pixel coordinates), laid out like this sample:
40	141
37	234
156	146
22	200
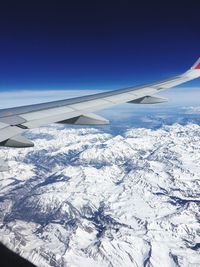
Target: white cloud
191	110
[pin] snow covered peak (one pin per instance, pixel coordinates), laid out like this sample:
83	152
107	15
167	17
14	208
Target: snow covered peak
86	196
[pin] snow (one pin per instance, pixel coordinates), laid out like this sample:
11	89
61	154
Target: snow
83	197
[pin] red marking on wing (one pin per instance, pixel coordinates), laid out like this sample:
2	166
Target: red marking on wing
197	66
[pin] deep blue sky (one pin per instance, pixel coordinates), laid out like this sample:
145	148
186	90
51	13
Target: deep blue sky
95	44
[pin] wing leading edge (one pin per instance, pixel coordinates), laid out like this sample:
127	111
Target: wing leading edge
79	110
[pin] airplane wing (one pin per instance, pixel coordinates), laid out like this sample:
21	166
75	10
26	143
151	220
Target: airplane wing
79	110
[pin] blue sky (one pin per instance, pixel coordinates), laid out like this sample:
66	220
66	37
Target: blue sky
95	44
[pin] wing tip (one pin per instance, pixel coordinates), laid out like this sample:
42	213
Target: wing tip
196	65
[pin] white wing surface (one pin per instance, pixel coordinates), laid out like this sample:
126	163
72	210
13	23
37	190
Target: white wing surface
15	121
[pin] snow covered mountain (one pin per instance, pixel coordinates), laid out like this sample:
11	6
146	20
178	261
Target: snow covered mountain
83	197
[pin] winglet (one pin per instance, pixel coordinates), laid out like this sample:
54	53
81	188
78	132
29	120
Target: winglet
196	65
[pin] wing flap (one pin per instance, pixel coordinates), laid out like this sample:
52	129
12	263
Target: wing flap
9	132
12	120
31	116
3	125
